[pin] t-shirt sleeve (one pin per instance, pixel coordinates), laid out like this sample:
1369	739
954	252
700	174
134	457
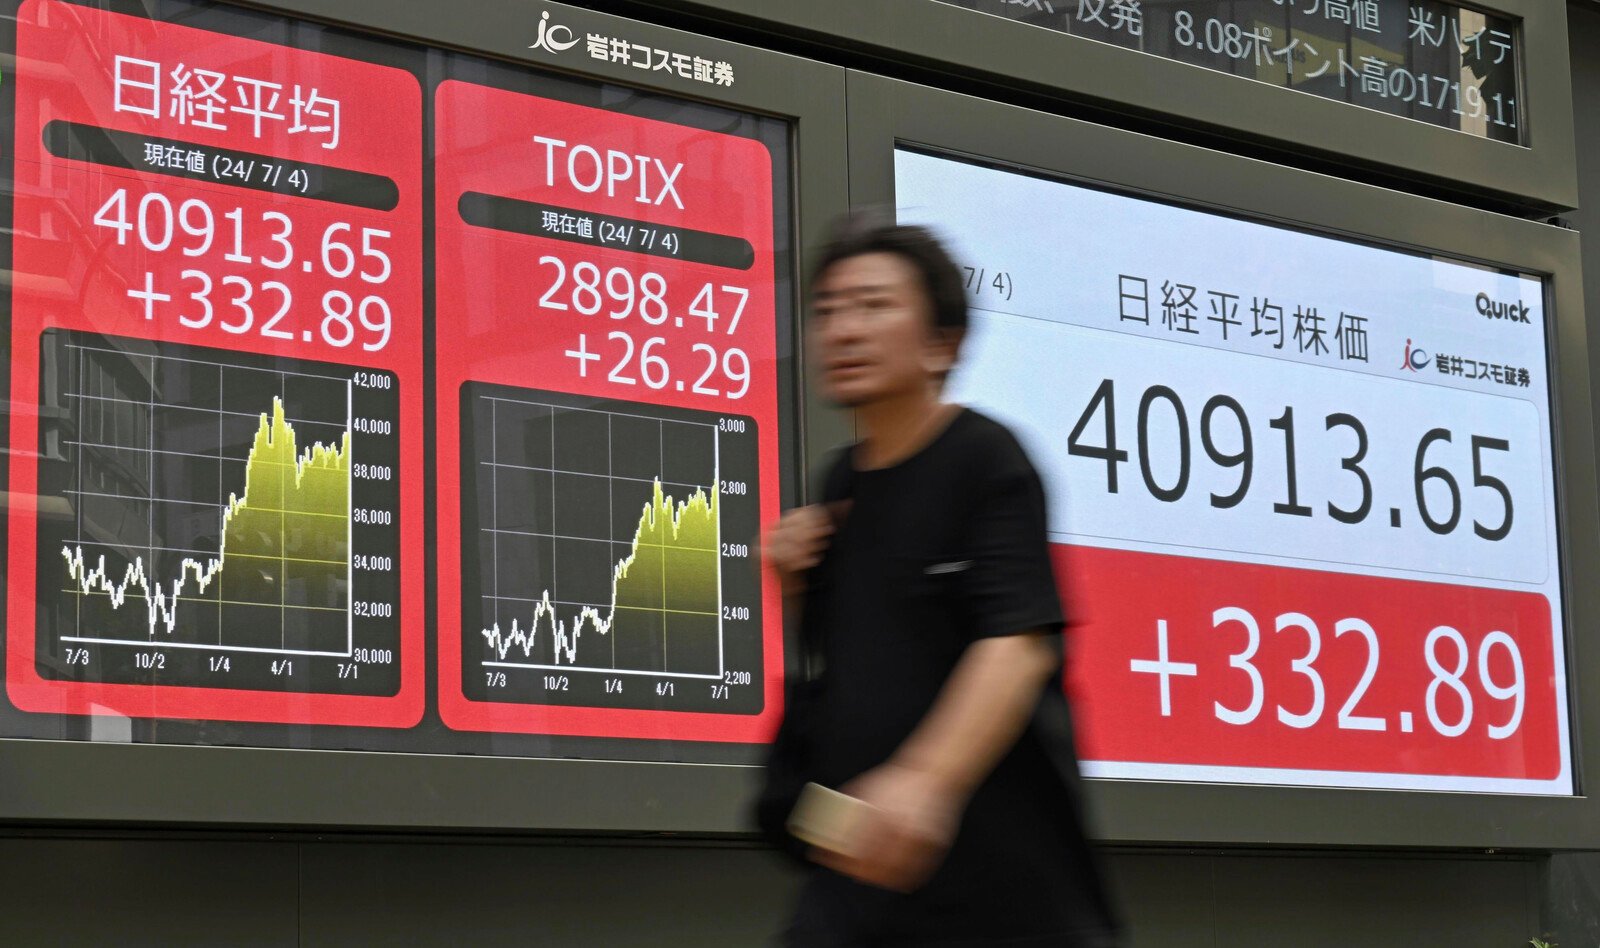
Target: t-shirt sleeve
1011	585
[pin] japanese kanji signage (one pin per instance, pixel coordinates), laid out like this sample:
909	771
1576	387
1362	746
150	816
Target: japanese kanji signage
1421	59
556	39
1302	488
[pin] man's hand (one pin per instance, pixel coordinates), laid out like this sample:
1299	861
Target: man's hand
796	543
904	836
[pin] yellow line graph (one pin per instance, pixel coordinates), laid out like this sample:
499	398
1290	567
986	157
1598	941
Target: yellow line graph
284	514
671	568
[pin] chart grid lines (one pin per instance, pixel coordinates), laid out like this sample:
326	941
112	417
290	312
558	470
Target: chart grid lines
283	526
600	605
350	522
150	463
550	416
661	450
597	559
78	511
81	397
167	357
608	671
205	646
618	477
222	383
109	378
611	522
716	486
182	501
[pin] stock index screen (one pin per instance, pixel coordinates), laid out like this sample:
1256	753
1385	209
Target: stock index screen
604	421
365	396
1302	488
216	389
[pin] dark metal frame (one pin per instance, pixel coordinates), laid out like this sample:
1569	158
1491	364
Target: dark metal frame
886	112
965	45
54	782
59	782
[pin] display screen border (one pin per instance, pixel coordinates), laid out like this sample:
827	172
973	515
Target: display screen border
886	114
1006	57
53	782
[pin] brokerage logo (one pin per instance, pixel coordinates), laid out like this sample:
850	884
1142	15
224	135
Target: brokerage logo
1415	360
553	39
1516	311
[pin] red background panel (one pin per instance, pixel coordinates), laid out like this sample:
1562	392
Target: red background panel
1118	597
73	274
492	329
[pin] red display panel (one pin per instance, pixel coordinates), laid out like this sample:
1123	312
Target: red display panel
216	394
1245	665
607	422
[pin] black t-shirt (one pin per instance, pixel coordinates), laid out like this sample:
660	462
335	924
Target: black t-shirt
933	553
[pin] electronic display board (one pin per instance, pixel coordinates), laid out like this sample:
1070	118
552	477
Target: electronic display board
1475	99
1303	494
1427	60
371	397
605	420
219	318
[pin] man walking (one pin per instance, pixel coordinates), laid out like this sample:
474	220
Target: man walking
932	617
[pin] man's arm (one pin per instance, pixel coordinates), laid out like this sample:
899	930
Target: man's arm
981	710
920	792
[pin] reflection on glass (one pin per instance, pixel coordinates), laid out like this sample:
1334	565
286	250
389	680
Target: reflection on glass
1426	60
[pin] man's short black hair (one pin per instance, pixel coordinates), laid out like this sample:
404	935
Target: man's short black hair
941	278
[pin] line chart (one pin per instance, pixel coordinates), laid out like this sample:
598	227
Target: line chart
318	497
220	504
672	538
612	543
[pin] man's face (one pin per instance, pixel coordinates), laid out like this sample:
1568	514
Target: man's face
872	333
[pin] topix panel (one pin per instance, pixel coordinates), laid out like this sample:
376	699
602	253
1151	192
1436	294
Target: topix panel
1303	492
611	407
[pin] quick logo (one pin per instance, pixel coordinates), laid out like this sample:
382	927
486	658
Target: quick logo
1515	311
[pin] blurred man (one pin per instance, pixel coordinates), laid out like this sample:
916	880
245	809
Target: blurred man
931	615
